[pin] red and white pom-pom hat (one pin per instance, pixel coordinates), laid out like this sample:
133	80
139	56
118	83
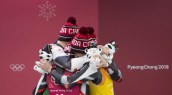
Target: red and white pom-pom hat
81	41
69	30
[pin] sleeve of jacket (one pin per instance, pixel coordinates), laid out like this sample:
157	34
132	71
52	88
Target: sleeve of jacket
40	88
85	74
65	61
114	72
60	71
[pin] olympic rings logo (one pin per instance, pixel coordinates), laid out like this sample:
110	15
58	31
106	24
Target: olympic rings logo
17	67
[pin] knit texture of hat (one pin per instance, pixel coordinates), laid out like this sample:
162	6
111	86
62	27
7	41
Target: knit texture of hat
69	30
81	41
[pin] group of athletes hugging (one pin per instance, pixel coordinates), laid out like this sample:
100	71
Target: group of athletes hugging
76	65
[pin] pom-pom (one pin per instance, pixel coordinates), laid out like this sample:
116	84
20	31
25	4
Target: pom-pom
72	20
90	30
83	30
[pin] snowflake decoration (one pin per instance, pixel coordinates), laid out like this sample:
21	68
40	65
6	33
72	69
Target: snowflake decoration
47	10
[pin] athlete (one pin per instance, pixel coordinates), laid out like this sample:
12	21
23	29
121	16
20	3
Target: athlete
98	76
66	34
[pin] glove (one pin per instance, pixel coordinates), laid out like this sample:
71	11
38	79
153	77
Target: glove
38	69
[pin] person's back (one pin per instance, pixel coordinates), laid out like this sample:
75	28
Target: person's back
105	87
66	34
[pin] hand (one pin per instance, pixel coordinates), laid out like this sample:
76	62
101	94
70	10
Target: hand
45	65
38	69
103	62
104	49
